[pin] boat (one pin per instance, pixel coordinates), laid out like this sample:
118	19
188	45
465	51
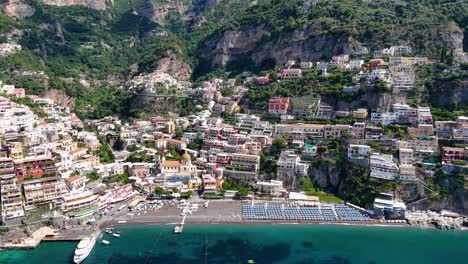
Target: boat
118	232
178	229
109	231
83	249
116	235
105	242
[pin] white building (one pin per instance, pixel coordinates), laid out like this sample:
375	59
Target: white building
358	150
383	166
272	188
290	163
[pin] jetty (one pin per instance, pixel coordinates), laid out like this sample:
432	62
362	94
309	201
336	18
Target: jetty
45	234
180	227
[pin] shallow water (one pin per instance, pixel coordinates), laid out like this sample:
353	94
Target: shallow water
314	244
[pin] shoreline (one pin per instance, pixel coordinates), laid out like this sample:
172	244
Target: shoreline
102	227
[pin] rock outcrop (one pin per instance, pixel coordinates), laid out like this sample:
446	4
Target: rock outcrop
93	4
158	13
175	67
17	8
255	44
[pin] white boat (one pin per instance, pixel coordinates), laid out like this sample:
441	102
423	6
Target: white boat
109	231
116	235
105	242
178	229
83	249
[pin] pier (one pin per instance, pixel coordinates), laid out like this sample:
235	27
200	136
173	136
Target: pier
46	234
179	228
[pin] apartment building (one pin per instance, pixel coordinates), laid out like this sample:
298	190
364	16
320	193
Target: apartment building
290	163
245	161
44	191
10	191
423	144
383	167
407	172
422	130
405	156
450	154
299	131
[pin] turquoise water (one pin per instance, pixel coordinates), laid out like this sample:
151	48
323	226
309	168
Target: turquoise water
312	244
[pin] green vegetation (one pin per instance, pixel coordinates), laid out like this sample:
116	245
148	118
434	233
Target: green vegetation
160	191
121	178
139	156
104	151
242	191
93	176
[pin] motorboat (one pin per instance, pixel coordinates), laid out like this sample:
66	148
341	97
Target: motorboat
83	249
178	229
116	235
105	242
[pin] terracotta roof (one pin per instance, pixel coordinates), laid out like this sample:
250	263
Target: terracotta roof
74	178
171	163
77	150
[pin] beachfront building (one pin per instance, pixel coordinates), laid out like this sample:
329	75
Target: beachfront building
271	188
383	167
10	191
82	203
209	184
385	205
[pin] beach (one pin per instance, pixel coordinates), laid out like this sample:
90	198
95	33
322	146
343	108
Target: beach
218	212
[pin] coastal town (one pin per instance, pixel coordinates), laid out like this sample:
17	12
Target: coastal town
236	161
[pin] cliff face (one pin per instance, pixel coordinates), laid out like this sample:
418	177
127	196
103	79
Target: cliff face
174	66
93	4
17	8
157	13
253	42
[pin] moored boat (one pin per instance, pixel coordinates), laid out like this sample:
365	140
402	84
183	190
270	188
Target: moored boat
116	235
83	249
178	229
105	242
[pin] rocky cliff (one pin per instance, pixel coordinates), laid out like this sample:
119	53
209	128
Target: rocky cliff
174	66
158	12
17	8
256	45
93	4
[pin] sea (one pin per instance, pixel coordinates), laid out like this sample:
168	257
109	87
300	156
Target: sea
312	244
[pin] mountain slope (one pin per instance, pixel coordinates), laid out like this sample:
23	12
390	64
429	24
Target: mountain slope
277	30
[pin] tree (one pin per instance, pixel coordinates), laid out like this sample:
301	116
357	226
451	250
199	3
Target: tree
160	191
93	176
118	144
279	144
242	192
307	184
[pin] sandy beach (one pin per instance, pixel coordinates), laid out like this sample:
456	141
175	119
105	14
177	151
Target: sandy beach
218	212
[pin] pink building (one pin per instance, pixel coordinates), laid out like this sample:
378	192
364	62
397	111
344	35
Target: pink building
278	105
